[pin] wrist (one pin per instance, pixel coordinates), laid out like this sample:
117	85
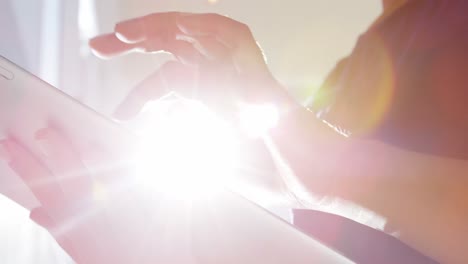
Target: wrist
324	162
300	143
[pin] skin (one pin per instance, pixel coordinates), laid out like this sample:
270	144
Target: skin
76	217
397	184
390	4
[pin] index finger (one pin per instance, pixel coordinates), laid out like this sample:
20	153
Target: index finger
140	29
108	45
112	45
226	30
166	26
152	33
171	77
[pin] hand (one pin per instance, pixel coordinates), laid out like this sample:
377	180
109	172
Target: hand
218	61
96	219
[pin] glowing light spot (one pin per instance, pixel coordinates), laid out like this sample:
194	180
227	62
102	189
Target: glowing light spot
381	87
358	95
100	193
256	120
213	1
185	153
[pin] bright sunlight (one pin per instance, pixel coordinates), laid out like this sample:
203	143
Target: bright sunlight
186	151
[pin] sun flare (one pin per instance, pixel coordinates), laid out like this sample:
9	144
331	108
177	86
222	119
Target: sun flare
187	151
184	150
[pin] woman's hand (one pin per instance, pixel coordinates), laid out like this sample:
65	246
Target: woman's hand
218	61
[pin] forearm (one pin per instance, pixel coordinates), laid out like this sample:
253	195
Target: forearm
423	197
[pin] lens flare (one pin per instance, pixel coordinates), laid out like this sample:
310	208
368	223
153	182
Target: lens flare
359	93
185	151
256	120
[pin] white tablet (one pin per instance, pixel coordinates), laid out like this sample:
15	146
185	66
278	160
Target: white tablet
230	230
28	104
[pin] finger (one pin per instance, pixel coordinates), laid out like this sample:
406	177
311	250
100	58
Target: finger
186	53
152	33
246	55
131	31
171	77
151	88
65	164
209	47
108	45
226	30
153	26
36	176
40	217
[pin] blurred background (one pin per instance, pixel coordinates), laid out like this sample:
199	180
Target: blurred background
302	39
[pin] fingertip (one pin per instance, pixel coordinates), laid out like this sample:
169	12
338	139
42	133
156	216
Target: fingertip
12	150
96	47
94	43
136	99
108	46
100	55
130	31
38	216
97	51
91	41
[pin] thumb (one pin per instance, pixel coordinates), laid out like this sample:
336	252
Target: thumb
172	76
140	95
42	218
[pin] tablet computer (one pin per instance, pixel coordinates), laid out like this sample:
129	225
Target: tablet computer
28	104
230	229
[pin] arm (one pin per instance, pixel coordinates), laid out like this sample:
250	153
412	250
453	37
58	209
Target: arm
395	183
411	190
